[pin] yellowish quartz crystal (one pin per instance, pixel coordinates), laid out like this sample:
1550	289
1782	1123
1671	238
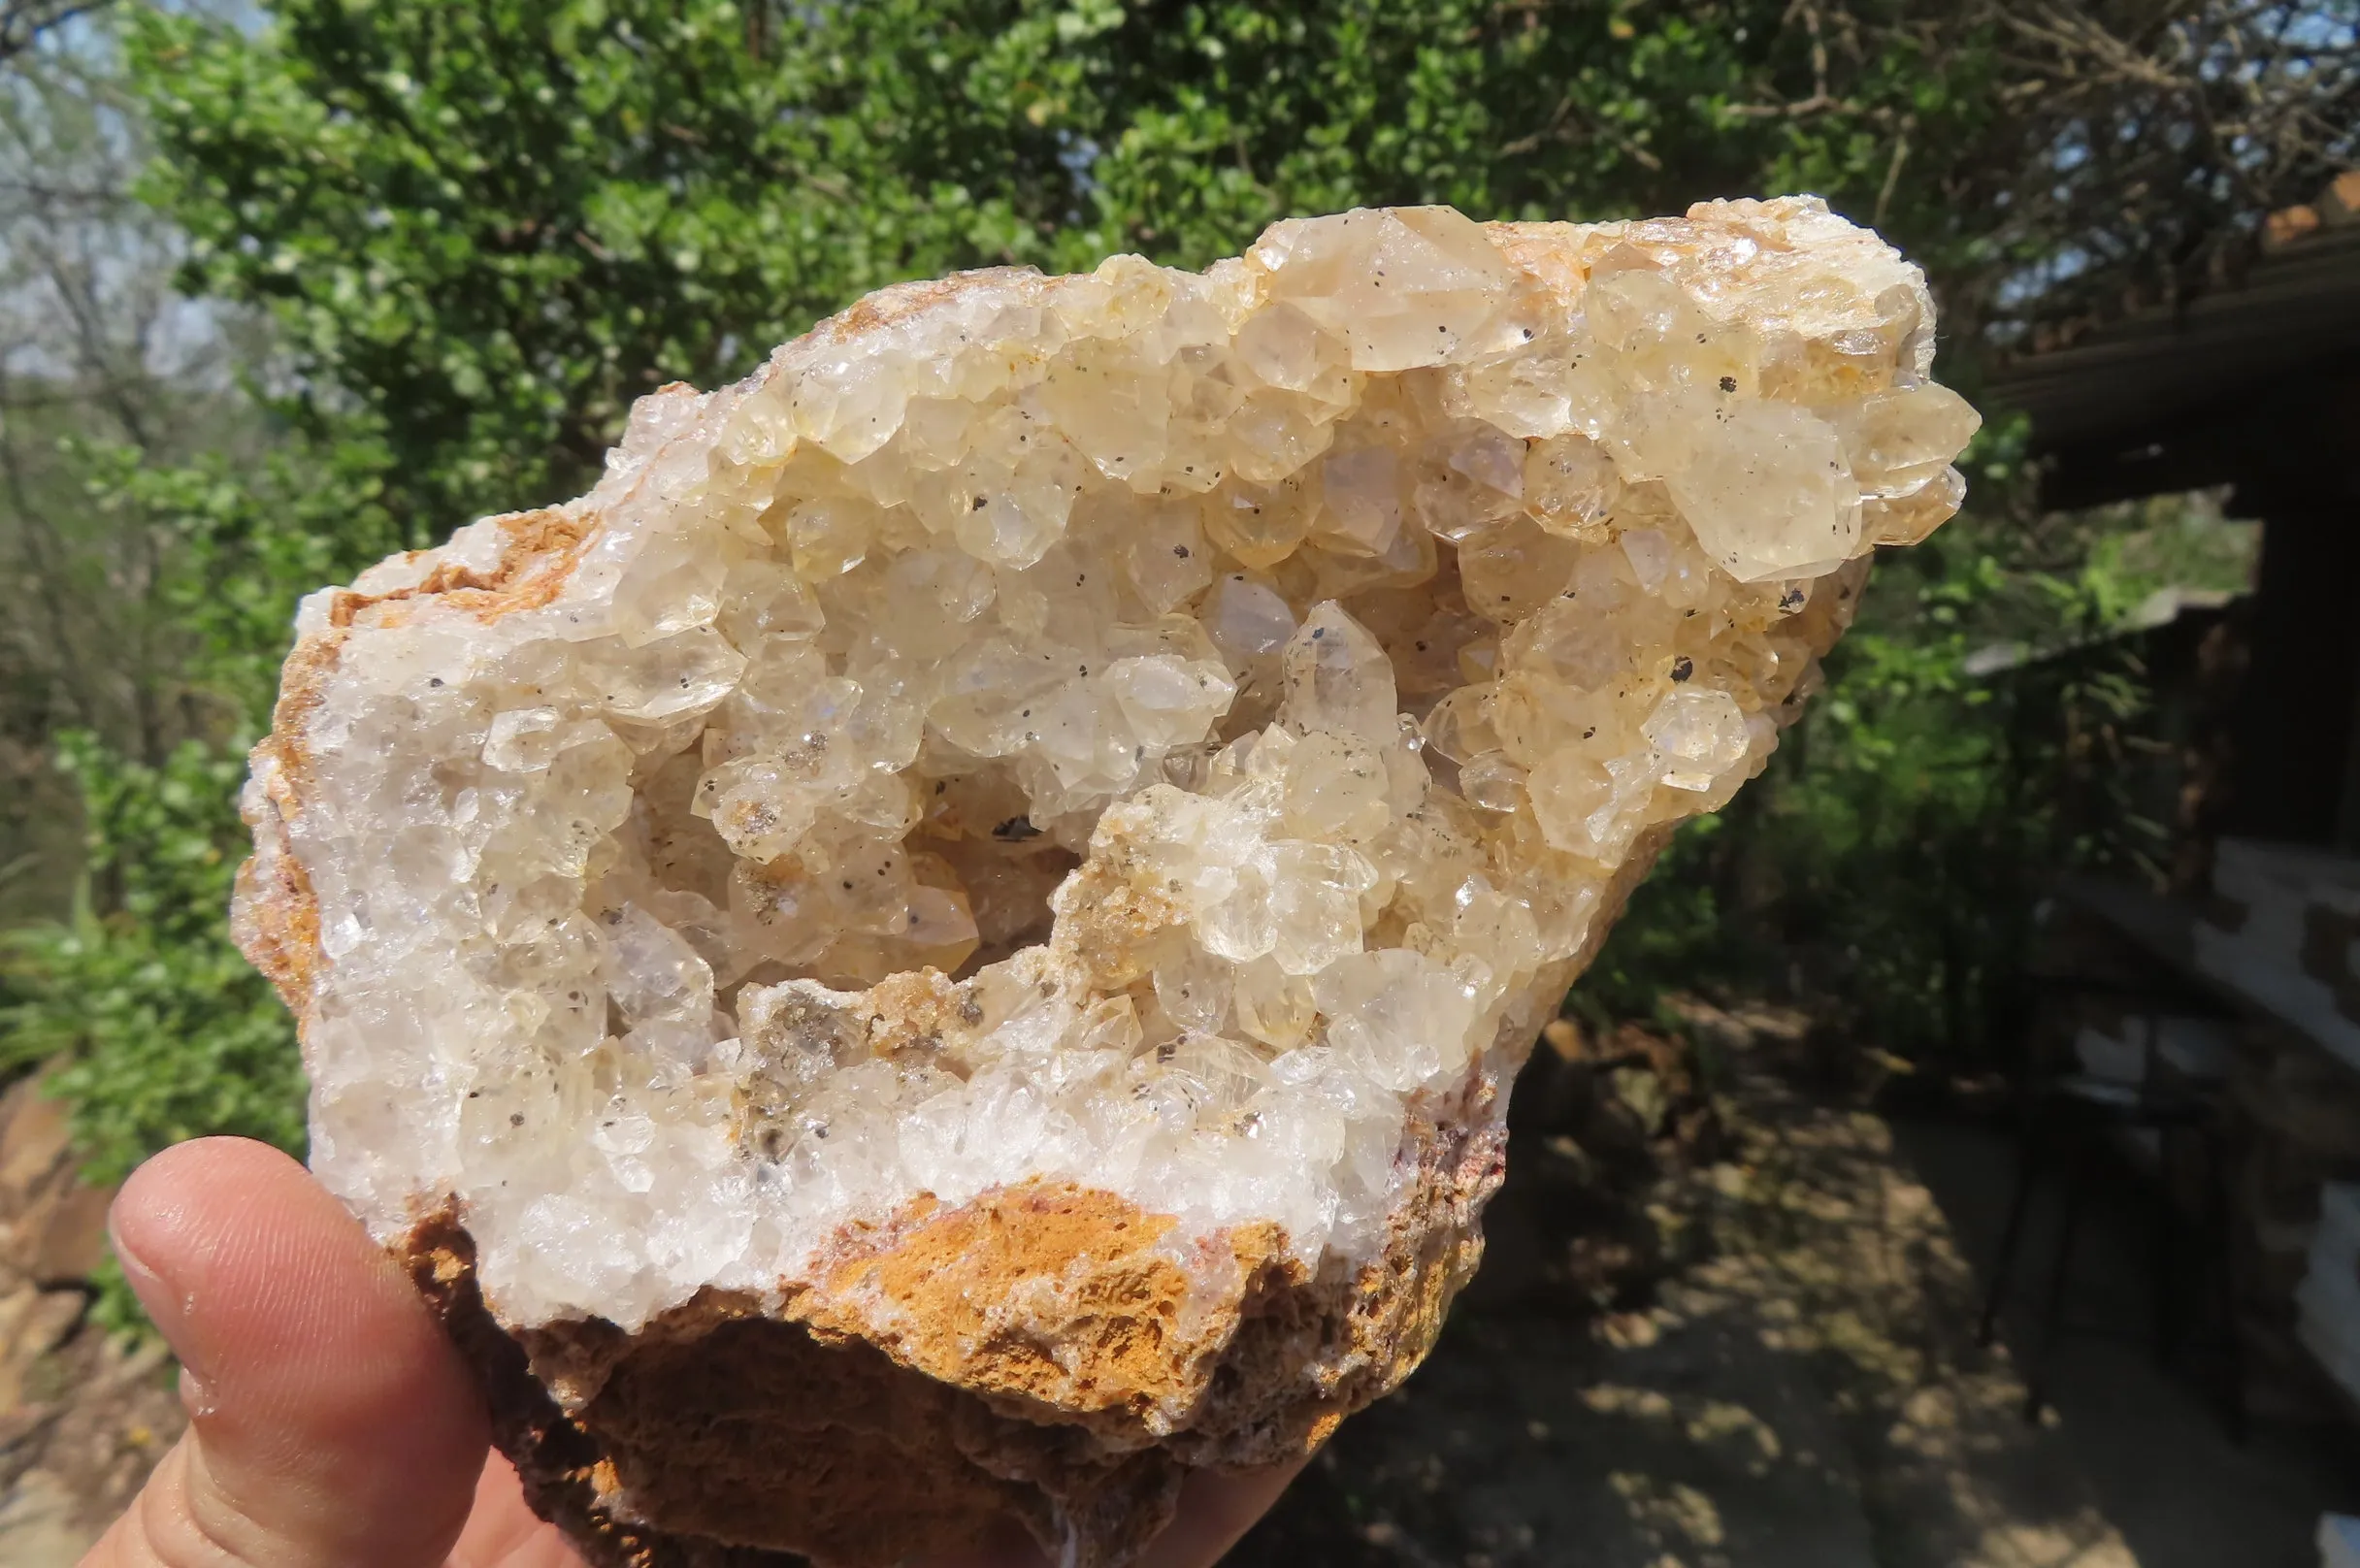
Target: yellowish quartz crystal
1133	755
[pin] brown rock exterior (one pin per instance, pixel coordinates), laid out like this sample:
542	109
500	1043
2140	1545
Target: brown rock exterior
803	1432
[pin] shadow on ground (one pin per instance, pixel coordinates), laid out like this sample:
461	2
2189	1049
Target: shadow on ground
2150	1439
1803	1389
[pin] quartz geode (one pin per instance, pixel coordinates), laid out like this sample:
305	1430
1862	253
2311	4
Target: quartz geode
944	945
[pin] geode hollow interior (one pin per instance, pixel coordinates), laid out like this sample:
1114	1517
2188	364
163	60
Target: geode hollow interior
944	945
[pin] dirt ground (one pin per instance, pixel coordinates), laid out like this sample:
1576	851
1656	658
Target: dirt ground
1802	1392
83	1416
2152	1443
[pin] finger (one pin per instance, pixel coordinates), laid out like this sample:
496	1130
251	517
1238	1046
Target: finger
503	1531
331	1422
1215	1509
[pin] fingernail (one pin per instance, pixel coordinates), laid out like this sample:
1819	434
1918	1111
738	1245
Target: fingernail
166	1307
146	1282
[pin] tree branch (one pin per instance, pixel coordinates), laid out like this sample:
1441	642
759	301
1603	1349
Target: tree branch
21	21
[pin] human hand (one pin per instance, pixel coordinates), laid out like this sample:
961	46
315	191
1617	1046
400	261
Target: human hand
332	1424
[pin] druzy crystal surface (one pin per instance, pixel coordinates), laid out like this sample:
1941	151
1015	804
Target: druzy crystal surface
983	884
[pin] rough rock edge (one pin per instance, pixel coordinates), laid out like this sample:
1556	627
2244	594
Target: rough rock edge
994	1452
618	1468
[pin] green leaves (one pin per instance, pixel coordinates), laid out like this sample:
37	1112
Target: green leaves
493	226
171	1033
476	233
168	1032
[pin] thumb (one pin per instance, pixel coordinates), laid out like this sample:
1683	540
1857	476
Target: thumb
331	1422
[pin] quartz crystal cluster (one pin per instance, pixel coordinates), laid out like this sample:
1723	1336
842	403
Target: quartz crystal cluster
944	943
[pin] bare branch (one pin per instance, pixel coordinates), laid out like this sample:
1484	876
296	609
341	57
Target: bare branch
21	21
1893	171
2137	149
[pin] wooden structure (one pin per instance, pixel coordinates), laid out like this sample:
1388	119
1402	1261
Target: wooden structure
2254	385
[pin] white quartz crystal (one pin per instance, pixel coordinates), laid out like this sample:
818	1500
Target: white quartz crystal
1237	691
